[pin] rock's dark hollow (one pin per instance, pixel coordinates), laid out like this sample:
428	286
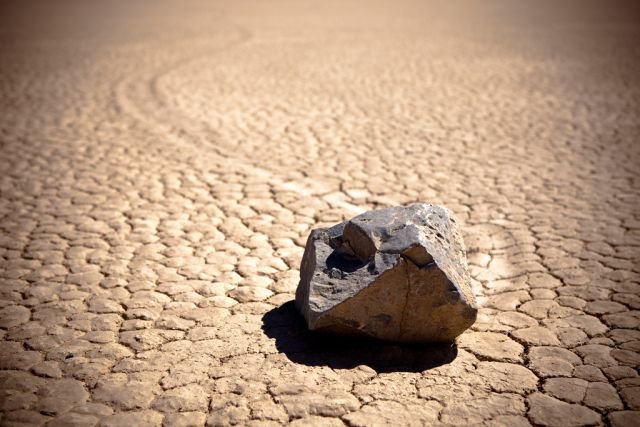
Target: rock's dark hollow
397	274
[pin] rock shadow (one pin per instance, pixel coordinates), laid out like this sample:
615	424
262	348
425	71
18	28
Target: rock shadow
302	346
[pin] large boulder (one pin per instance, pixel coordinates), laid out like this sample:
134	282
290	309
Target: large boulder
397	274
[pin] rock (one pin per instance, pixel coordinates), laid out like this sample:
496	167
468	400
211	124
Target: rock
397	274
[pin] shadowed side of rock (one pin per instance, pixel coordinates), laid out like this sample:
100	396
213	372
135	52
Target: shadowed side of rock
314	348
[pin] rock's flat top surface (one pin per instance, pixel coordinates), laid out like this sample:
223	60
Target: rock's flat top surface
162	166
397	274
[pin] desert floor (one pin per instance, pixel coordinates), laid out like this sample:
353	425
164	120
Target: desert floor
163	163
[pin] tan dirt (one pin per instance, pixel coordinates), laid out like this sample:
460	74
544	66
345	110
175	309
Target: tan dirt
163	163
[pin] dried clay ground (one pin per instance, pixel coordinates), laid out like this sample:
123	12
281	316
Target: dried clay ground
162	165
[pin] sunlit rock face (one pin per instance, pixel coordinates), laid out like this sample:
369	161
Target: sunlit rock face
397	274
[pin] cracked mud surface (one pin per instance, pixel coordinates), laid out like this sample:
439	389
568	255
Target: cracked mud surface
162	167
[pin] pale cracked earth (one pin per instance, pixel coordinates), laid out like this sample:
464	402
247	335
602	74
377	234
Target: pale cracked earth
162	166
